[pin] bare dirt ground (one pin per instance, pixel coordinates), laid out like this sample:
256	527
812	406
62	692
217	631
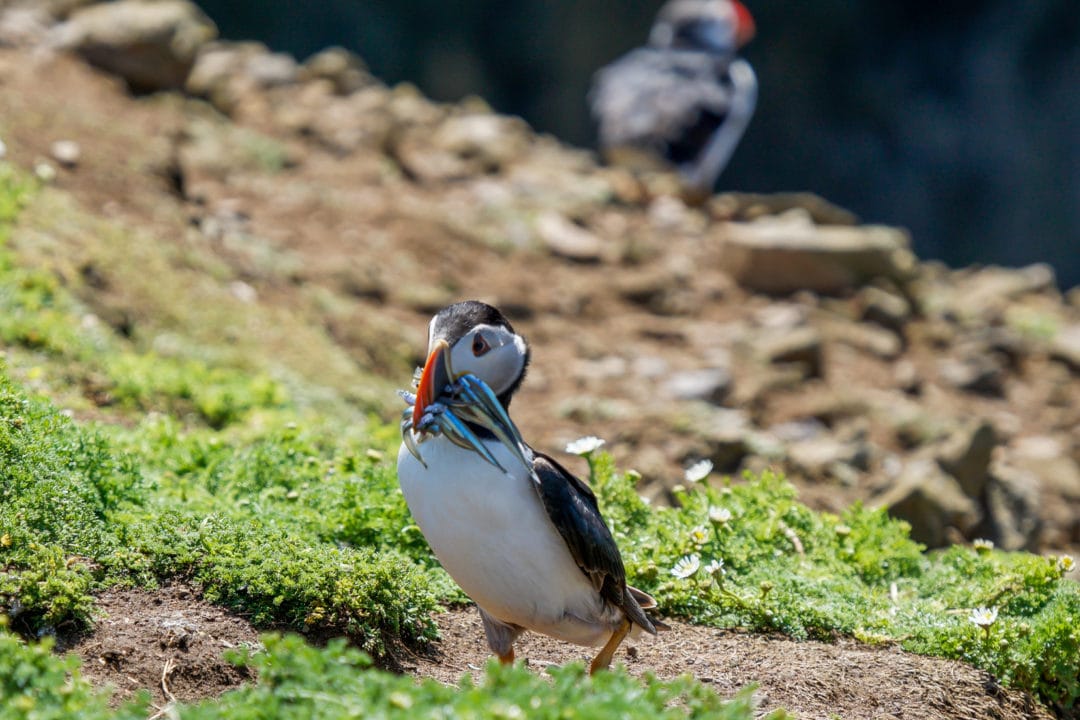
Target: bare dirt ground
171	643
167	641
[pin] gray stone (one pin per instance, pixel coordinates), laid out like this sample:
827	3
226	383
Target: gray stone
787	254
151	45
23	26
272	69
966	455
983	374
1058	475
709	384
66	152
720	434
932	502
885	308
749	206
1012	508
800	346
871	339
345	70
907	378
567	239
1066	347
818	459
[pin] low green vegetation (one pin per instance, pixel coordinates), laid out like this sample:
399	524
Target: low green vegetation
750	555
292	517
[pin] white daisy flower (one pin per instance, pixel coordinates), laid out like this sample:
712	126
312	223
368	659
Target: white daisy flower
686	566
719	515
716	567
982	545
1065	564
699	471
584	446
984	617
699	535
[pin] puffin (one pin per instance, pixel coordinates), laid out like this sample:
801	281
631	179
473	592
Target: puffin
686	98
518	532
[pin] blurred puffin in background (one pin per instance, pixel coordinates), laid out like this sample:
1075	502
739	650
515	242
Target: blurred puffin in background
686	98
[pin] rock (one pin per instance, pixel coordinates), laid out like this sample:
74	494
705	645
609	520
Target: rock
720	434
890	310
658	289
709	384
491	140
781	316
983	374
272	69
567	239
787	254
23	26
821	458
460	146
993	287
1012	508
1066	347
931	502
749	206
151	45
1058	476
66	152
346	71
871	339
966	454
907	378
801	346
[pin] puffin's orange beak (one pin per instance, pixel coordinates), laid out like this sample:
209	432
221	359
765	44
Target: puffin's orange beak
433	380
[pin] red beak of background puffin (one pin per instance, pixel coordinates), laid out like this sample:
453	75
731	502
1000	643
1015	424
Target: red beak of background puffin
433	380
745	28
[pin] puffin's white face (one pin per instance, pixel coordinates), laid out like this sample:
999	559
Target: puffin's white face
492	353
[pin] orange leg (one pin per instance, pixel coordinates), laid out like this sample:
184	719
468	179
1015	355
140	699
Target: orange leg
603	659
508	658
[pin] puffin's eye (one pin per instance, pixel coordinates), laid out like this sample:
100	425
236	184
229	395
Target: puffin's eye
479	345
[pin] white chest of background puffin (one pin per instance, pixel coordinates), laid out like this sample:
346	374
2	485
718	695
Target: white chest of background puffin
521	535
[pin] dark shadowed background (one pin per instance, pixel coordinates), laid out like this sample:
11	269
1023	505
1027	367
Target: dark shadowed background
958	120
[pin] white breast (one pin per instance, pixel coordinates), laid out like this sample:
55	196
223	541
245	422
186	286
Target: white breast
491	533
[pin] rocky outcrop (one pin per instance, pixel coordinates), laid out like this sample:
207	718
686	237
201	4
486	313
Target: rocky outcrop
788	253
151	44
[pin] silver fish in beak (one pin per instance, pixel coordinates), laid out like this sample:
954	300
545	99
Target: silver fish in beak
448	405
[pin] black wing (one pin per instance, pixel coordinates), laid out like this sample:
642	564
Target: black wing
572	507
654	98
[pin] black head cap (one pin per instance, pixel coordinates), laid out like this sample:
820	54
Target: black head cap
455	321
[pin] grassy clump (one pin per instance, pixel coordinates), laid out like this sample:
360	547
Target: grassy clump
35	683
81	510
809	574
298	681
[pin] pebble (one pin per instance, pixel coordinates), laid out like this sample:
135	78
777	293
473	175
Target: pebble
66	152
709	384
